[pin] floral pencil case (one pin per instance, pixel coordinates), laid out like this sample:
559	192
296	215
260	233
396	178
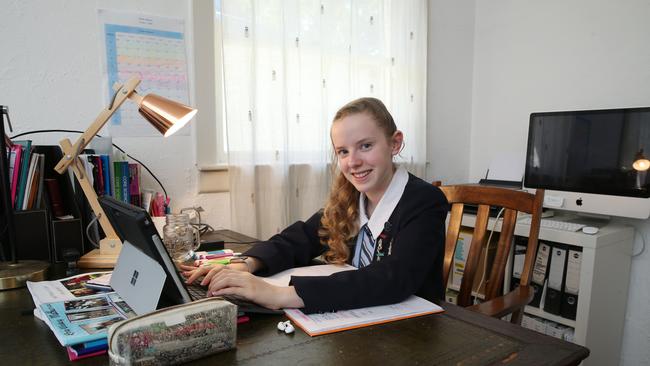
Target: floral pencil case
175	334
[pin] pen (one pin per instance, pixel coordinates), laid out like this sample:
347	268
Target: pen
207	262
218	251
215	256
203	254
233	258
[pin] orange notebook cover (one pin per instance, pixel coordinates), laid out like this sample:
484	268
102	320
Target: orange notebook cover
319	324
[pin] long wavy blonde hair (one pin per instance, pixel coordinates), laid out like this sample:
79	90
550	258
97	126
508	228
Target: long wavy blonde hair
340	222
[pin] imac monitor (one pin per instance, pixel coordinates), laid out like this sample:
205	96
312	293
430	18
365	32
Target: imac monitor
584	160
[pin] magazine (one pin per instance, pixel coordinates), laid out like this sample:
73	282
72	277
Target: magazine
75	312
69	288
101	283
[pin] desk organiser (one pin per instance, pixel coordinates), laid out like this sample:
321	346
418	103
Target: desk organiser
40	235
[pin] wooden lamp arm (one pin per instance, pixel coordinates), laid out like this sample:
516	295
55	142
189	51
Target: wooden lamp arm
70	154
110	246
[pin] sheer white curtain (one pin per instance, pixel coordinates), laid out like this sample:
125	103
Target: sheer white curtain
288	66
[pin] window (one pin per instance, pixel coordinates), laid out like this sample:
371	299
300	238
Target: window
286	68
289	65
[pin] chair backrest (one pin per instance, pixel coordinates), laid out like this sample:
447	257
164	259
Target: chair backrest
512	201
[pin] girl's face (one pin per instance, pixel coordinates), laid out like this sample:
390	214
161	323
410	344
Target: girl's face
365	154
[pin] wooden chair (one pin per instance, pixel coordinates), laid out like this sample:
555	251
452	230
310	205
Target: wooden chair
513	201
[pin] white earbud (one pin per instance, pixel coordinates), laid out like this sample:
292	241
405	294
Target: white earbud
282	326
286	327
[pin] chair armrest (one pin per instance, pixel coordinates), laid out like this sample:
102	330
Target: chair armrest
506	304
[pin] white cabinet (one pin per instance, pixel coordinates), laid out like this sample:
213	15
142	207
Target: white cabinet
604	282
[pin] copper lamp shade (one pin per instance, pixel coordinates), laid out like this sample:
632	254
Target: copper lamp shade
165	115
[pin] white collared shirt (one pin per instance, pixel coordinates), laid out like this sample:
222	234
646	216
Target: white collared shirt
383	210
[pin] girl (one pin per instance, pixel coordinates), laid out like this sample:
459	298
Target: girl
379	218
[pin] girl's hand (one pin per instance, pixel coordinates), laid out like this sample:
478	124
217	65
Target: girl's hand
192	273
240	284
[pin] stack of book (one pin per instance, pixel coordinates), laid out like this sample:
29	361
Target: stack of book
26	172
111	177
121	180
79	312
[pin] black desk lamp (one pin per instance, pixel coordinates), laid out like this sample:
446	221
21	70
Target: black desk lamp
13	273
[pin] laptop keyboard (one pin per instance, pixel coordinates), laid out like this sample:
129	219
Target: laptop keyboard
197	292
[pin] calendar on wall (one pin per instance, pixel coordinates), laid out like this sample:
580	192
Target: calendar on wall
150	48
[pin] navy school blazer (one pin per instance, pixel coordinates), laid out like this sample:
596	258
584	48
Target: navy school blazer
414	266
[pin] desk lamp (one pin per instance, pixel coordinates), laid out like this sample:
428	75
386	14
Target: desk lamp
165	115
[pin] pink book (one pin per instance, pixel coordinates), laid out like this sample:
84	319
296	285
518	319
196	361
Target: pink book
73	356
14	167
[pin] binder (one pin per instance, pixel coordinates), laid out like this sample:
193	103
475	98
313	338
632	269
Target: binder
460	258
571	284
518	261
540	272
556	274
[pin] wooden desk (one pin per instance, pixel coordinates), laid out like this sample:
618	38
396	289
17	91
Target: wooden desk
457	336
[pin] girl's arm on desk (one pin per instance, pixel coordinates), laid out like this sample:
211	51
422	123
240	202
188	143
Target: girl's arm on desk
246	285
236	279
193	273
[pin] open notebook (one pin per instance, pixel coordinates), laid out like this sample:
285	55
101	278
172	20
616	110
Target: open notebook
317	324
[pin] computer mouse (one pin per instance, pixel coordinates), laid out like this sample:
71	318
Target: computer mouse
591	230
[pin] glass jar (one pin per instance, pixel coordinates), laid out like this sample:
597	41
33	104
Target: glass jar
180	237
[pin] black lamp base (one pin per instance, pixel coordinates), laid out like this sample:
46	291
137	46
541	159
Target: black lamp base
14	275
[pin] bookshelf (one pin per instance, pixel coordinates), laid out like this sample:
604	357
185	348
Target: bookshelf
604	283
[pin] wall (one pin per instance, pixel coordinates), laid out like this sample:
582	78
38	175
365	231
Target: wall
51	77
544	56
557	55
490	63
449	89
